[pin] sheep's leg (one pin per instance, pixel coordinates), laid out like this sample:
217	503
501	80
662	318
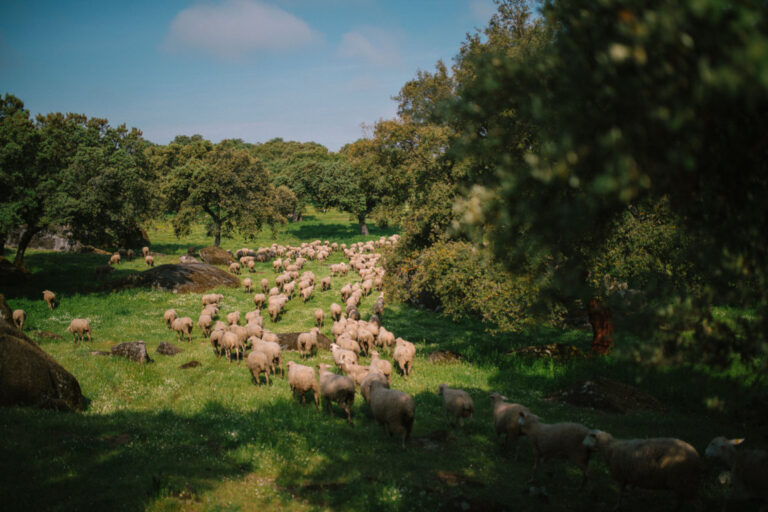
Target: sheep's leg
535	467
622	486
349	415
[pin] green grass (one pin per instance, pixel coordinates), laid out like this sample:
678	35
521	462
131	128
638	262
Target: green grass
155	437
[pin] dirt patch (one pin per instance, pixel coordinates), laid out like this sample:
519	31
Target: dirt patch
48	335
187	278
555	350
191	364
444	356
607	395
434	439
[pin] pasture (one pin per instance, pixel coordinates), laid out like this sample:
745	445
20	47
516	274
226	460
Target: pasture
156	437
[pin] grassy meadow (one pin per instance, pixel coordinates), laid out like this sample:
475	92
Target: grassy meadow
156	437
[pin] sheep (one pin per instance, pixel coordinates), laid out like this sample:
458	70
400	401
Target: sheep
378	309
338	327
393	409
211	310
274	291
353	314
319	317
383	366
149	260
274	310
405	351
277	265
366	339
247	284
457	402
306	293
204	322
183	326
562	440
302	379
229	342
749	468
325	284
103	270
257	363
264	285
216	336
505	416
115	259
251	266
234	268
145	251
657	463
365	385
355	371
345	291
273	352
253	329
129	254
340	355
50	298
219	325
259	299
307	342
349	344
336	388
19	317
289	288
80	327
233	318
366	287
270	336
211	298
242	332
385	339
335	311
253	316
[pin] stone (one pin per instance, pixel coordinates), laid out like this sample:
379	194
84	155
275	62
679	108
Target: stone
216	256
444	356
168	349
5	310
31	377
134	350
607	395
185	259
187	278
289	341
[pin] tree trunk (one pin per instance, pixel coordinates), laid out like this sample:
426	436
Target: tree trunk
363	226
217	237
296	215
602	327
3	236
26	237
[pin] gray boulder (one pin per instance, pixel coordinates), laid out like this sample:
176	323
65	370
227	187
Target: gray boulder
134	350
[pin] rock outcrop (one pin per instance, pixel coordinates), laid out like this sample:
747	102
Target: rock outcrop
216	256
186	278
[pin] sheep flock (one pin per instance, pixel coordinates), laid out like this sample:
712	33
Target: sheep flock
663	463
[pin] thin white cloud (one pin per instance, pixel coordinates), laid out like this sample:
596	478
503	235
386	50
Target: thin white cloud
371	45
236	28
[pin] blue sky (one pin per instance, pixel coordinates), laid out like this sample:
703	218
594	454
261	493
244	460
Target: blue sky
308	70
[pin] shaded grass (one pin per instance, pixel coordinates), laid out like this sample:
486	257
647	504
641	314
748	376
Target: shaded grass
155	437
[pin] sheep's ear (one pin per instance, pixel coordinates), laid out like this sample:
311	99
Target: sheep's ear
736	442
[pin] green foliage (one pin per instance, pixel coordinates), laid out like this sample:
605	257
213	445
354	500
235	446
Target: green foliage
462	281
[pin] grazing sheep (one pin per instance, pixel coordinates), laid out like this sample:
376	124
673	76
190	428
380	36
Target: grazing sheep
254	329
259	299
325	284
211	298
274	310
233	318
658	463
145	251
749	468
382	365
257	363
336	388
306	293
393	409
457	402
219	325
505	416
229	342
149	260
270	336
289	288
385	339
378	309
365	385
366	287
405	351
355	371
19	317
247	284
274	291
253	315
211	310
366	339
353	314
183	326
302	379
50	298
273	352
216	336
129	254
251	266
234	268
307	342
204	322
319	317
349	344
340	355
335	312
80	327
265	285
115	259
561	440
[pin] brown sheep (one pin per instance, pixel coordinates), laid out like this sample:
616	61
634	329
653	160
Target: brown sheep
80	327
115	259
169	316
247	283
319	317
19	317
145	251
50	298
183	326
149	260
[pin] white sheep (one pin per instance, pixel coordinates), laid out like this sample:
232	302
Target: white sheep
149	260
253	316
336	388
307	342
556	440
335	311
216	336
258	363
229	342
247	284
319	317
457	402
381	365
505	416
234	268
325	283
393	409
405	351
306	293
273	352
259	299
233	318
204	322
657	463
355	371
80	327
340	355
264	285
183	326
50	298
302	379
365	385
749	468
